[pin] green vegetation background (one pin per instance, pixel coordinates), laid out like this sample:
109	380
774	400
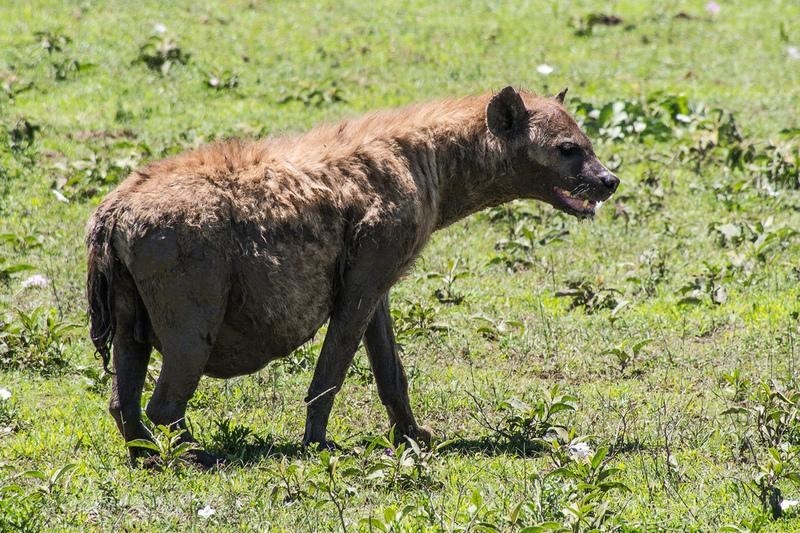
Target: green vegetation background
669	324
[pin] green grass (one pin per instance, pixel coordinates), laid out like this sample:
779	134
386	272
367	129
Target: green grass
687	465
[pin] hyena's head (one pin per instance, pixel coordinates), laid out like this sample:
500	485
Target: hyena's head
545	154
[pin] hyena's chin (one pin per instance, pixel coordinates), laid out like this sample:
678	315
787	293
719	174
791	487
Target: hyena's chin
578	205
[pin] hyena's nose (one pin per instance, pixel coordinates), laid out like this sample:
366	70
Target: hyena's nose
609	180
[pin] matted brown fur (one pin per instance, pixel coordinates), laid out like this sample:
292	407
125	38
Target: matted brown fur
229	256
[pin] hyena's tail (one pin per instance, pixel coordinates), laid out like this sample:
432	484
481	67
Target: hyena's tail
103	269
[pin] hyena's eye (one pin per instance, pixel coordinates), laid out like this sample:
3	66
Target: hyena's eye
568	149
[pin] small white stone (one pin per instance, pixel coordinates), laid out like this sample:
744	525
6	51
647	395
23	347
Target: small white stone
794	52
159	28
206	512
580	450
788	504
37	280
60	197
544	69
5	394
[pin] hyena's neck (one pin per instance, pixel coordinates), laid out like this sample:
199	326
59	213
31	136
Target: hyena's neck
467	169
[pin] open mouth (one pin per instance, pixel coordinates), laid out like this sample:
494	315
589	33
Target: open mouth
577	205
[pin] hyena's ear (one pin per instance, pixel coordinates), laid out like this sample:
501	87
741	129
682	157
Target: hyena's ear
506	115
560	96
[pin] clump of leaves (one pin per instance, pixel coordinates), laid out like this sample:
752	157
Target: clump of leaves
516	252
11	85
764	237
627	353
314	94
587	476
95	378
737	385
9	417
161	52
8	269
55	44
414	319
584	26
524	424
573	495
23	496
652	271
534	420
707	286
493	328
22	136
392	519
52	41
35	341
336	486
772	417
22	241
230	437
660	117
402	465
222	81
447	294
85	178
170	449
592	296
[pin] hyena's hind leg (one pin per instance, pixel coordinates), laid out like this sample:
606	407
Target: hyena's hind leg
185	310
131	354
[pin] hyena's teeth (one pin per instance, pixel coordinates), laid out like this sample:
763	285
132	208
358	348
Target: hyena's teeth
585	204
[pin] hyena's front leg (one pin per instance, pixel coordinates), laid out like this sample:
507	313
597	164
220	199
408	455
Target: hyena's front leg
346	327
368	276
390	377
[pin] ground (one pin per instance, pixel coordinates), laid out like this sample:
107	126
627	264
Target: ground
636	372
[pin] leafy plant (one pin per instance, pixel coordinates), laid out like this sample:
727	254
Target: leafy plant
400	465
11	85
705	287
591	296
391	519
161	52
652	271
523	424
52	41
22	136
229	436
772	417
534	421
414	319
588	477
22	242
169	447
493	329
24	495
584	26
627	353
302	359
35	341
8	269
314	94
85	178
660	117
447	294
222	81
516	252
9	417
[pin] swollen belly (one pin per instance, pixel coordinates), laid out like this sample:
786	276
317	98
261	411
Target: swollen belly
258	332
236	353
